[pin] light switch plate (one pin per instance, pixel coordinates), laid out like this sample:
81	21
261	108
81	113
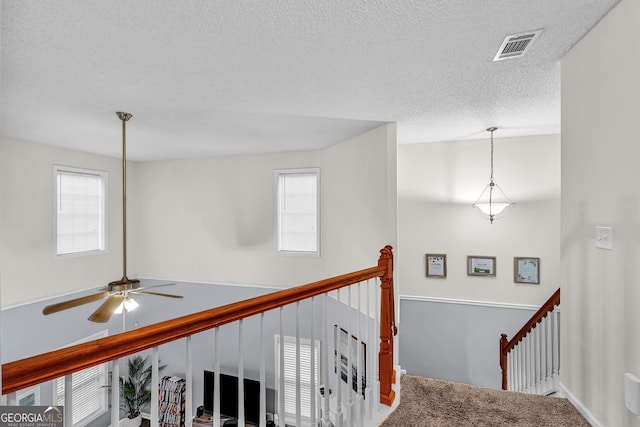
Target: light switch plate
604	238
632	393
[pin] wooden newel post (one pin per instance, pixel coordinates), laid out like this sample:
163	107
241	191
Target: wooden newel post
504	342
387	328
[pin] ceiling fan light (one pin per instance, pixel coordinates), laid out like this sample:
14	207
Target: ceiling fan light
119	309
130	304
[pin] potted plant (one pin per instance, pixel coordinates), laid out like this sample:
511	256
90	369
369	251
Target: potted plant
135	391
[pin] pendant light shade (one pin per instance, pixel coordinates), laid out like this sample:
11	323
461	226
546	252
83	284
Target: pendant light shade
492	203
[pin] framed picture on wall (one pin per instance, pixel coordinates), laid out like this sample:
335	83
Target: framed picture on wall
526	270
437	265
349	355
481	265
29	396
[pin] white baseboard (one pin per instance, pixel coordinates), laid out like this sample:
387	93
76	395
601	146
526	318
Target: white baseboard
579	406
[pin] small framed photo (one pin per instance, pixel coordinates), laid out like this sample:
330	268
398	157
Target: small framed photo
526	270
481	265
29	396
437	265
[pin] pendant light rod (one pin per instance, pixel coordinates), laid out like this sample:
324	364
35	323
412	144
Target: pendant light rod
492	129
124	117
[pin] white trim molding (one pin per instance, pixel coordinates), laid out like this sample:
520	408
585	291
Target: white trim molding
564	392
469	302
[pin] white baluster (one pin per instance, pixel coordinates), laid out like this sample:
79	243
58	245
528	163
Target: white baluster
263	385
368	356
281	386
509	370
376	347
115	393
298	390
312	370
532	363
549	345
527	363
188	410
350	352
556	349
543	355
68	400
338	359
360	361
536	359
216	377
241	371
325	362
155	386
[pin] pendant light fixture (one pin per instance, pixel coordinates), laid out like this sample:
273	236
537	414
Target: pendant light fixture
492	203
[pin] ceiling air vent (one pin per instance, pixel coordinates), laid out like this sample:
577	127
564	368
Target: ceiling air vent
516	45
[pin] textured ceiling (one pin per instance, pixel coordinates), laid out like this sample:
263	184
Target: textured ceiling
206	78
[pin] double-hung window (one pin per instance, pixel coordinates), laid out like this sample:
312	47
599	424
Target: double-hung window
80	219
290	375
89	392
298	211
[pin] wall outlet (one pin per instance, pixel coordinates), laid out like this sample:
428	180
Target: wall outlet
604	238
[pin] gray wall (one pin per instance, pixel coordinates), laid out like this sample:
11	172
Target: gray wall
456	340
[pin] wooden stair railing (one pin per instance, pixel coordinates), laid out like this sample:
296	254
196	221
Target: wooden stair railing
34	370
507	345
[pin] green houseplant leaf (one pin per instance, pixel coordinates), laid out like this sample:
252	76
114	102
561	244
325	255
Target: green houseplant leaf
135	388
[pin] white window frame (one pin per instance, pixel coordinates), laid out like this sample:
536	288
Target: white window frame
280	206
102	247
290	377
100	373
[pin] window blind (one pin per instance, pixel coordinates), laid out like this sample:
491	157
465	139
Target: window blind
80	210
290	376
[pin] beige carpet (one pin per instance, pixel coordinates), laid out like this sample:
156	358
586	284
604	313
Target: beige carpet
429	402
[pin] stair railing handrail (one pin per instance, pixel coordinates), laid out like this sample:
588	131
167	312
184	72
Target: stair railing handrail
507	345
34	370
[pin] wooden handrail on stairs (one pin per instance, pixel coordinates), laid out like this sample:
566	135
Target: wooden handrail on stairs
507	345
34	370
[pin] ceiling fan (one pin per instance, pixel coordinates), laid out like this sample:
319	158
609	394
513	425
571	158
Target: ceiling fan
118	293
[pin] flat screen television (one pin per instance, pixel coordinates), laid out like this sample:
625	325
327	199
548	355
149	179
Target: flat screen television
229	396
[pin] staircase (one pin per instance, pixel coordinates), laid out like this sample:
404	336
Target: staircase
530	361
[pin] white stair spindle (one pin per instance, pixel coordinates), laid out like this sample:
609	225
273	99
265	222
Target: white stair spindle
188	410
325	363
312	370
350	361
549	365
155	386
241	372
216	377
339	350
115	393
359	359
368	357
281	396
263	386
376	346
556	349
298	390
68	400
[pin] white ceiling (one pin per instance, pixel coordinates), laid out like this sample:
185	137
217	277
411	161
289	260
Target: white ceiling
208	78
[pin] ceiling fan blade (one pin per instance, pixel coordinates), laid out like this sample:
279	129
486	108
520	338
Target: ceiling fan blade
157	293
154	286
104	312
54	308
